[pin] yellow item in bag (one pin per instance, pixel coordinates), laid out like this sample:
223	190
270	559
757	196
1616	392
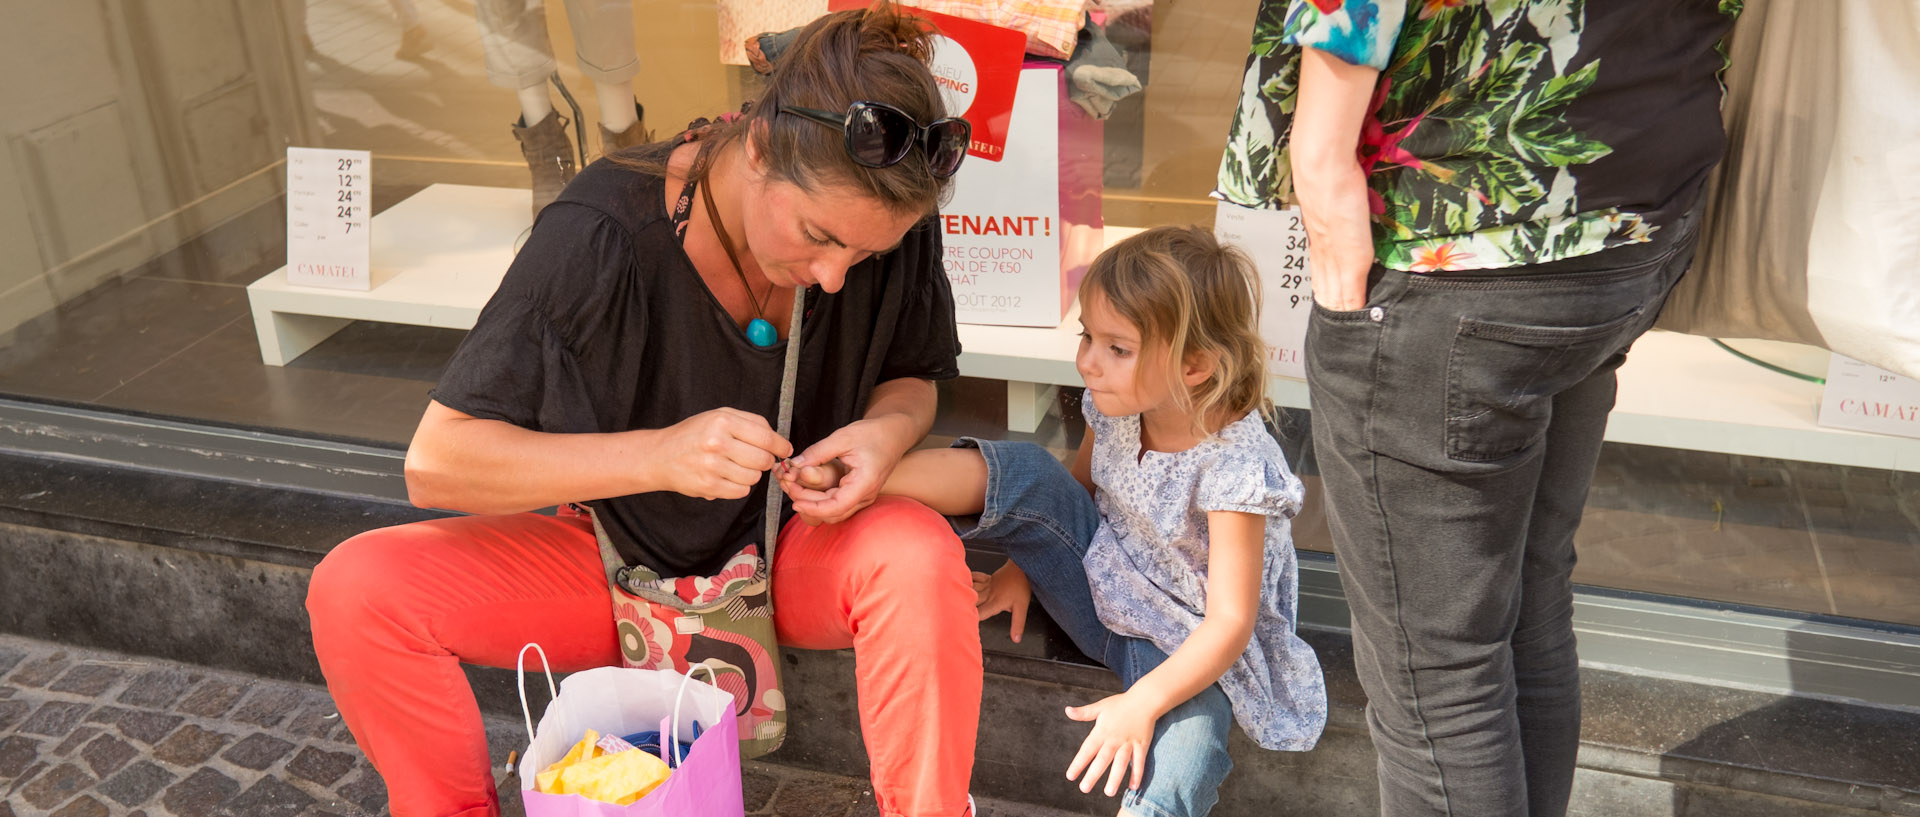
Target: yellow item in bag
596	774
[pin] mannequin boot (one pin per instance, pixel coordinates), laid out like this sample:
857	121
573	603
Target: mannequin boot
635	134
549	157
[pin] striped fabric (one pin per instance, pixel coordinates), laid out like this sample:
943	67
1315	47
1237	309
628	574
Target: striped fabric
1050	25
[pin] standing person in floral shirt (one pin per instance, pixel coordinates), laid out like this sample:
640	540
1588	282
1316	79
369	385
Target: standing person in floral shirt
1524	193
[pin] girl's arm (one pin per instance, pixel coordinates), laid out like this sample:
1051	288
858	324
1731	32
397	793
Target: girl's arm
1123	728
1327	179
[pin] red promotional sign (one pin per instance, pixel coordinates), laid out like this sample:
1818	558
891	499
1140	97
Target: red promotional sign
977	66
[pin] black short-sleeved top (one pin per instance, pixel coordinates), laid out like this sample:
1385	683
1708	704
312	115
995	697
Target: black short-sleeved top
603	325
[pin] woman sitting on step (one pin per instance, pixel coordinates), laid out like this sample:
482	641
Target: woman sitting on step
630	363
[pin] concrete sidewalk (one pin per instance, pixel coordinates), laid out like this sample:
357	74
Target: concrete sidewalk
86	733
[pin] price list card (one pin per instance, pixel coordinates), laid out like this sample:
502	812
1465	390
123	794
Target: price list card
1867	398
1276	240
328	240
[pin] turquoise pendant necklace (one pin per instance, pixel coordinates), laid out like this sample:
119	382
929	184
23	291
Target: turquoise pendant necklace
760	332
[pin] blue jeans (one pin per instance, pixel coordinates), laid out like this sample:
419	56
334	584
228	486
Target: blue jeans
1045	520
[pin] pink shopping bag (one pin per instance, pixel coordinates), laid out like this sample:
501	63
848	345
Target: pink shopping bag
622	701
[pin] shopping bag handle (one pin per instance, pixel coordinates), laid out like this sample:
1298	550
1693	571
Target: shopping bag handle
525	711
674	738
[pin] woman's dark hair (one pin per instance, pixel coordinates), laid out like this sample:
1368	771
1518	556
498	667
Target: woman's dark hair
878	54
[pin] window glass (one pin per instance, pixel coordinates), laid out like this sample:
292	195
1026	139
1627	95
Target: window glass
144	190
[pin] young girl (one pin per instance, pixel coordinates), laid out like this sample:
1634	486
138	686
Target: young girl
1165	552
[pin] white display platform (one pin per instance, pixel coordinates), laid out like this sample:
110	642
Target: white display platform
439	255
437	258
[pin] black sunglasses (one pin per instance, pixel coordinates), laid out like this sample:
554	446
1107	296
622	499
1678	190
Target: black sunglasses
879	135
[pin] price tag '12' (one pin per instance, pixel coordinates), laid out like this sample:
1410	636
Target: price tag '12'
1277	242
329	242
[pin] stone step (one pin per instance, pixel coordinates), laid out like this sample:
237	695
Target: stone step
85	732
212	574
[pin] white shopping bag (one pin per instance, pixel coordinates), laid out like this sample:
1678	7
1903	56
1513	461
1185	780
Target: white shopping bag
622	701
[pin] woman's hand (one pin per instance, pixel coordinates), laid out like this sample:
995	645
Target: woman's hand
1122	733
899	412
718	454
867	451
1006	591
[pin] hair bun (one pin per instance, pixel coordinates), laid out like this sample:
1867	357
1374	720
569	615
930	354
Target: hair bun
886	26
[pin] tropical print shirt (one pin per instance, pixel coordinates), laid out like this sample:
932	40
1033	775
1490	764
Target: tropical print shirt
1502	133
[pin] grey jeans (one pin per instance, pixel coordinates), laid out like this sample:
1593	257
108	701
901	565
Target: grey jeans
1456	422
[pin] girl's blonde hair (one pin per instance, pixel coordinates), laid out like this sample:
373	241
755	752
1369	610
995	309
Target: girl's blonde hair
1185	289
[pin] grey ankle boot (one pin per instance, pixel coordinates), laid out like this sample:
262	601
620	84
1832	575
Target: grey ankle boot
549	157
635	134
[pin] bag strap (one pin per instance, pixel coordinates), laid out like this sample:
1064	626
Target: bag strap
610	558
526	711
789	379
672	734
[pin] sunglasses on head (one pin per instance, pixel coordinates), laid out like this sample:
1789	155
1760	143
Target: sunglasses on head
879	135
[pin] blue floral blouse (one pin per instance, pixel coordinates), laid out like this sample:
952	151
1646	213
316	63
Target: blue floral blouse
1148	562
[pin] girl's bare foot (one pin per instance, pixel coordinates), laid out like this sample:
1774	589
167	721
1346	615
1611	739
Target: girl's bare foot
823	477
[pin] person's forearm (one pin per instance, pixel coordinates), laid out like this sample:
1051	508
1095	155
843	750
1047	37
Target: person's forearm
1235	548
1327	179
1197	664
488	466
905	407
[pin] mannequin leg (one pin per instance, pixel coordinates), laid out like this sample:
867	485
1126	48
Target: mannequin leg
513	35
534	103
603	43
615	113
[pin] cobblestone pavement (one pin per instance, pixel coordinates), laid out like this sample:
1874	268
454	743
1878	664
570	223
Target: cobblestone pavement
86	733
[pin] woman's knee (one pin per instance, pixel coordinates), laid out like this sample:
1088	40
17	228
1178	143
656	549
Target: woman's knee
897	541
360	580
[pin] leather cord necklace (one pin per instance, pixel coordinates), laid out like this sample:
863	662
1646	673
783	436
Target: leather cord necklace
761	334
759	331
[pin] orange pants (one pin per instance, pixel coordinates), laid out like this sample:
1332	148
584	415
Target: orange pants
395	611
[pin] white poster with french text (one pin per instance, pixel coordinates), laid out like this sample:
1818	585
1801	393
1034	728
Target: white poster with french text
1277	243
329	243
1002	226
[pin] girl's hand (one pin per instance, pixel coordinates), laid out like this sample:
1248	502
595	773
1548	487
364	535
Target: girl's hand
1122	732
1008	591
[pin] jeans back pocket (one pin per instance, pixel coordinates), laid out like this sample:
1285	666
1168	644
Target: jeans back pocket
1502	378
